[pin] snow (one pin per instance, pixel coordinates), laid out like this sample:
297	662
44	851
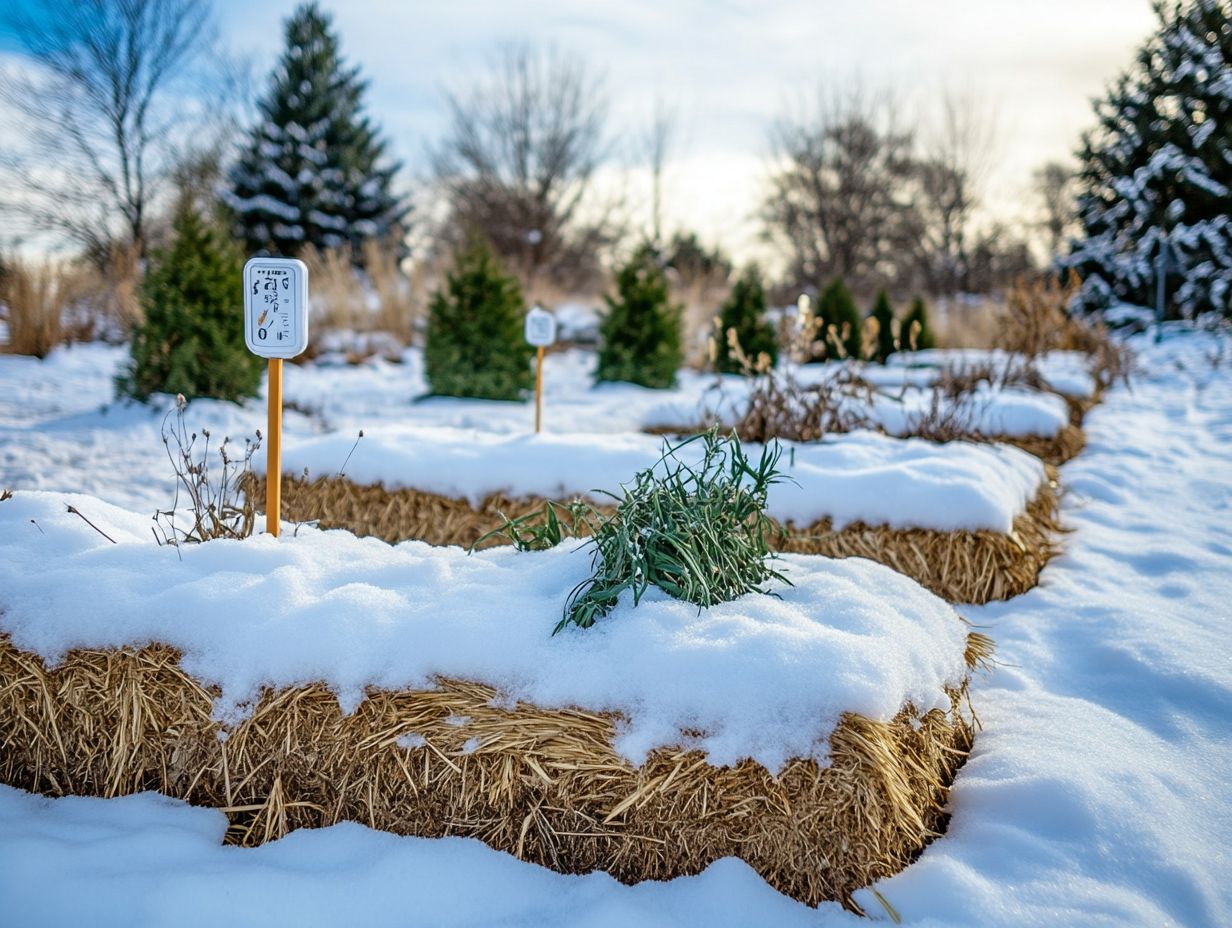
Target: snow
59	430
854	477
763	676
1096	795
1067	372
1008	412
145	861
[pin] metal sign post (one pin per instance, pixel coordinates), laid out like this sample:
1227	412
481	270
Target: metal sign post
276	328
540	332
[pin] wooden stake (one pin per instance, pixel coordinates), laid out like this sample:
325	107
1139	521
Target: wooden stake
273	450
538	388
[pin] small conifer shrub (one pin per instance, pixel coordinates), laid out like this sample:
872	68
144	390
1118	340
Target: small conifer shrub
192	338
640	337
916	333
883	314
475	345
836	309
742	314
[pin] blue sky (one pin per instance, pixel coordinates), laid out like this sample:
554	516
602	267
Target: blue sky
727	68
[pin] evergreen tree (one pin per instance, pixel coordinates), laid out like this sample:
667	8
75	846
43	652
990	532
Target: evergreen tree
192	338
641	333
313	171
916	321
743	311
475	344
883	312
836	308
1160	164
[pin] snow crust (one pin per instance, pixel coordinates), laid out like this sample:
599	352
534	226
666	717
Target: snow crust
764	676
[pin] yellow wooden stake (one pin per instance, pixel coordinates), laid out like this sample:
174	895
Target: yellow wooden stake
538	388
273	450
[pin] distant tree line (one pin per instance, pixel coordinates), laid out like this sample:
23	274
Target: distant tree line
116	144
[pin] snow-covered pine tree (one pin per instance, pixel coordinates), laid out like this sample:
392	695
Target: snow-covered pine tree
744	311
192	338
883	313
914	332
1160	164
475	345
313	170
640	335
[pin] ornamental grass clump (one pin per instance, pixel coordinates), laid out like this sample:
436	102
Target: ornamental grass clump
698	531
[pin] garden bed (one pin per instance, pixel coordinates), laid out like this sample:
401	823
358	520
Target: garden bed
543	785
302	681
962	566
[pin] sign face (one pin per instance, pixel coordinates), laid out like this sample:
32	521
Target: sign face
276	307
540	328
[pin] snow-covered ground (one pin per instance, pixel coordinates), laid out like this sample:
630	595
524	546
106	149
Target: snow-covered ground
61	429
1097	793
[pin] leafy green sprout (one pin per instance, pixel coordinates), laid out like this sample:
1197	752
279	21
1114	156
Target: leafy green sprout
697	531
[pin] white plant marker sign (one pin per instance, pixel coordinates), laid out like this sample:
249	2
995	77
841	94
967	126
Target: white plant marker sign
276	307
540	332
275	327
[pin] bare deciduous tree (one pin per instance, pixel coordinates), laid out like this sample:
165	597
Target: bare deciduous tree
837	190
519	160
954	160
658	142
96	135
1054	185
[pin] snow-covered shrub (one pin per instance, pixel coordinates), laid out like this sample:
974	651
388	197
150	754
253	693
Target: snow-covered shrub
475	345
192	338
1157	171
640	335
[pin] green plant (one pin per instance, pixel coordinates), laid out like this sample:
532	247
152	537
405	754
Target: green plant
883	314
836	309
192	339
916	333
742	313
474	344
697	531
641	334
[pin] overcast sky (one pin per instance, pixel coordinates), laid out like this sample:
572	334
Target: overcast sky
728	67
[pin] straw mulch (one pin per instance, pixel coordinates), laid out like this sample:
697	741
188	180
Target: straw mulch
1063	447
960	567
543	785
